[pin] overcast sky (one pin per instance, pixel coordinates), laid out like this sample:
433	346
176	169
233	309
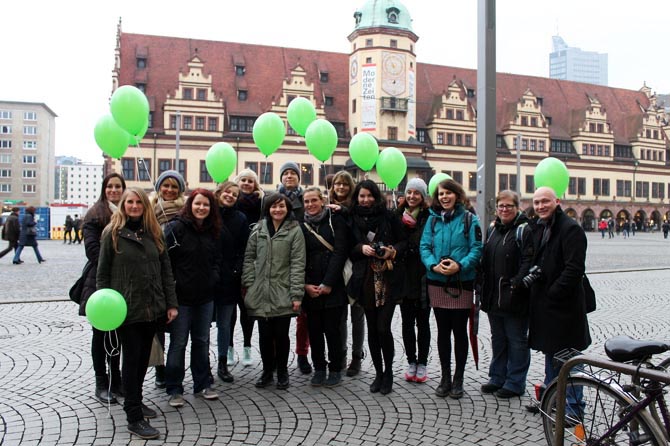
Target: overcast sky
63	55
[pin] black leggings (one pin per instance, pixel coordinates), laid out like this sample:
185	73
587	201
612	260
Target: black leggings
274	342
413	315
380	337
246	322
326	322
99	356
455	321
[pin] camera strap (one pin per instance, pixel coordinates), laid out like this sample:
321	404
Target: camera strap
319	238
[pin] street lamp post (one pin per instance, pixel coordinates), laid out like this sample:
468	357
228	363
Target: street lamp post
635	164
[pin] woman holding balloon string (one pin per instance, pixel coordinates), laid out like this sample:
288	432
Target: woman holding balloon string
234	235
95	221
195	237
377	278
134	261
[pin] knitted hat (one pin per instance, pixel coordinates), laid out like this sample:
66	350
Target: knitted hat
171	174
289	165
418	185
247	173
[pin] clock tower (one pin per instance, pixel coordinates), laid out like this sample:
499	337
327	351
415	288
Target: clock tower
382	72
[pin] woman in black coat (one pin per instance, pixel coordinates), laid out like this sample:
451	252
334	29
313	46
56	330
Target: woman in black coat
377	279
234	236
113	186
28	236
327	244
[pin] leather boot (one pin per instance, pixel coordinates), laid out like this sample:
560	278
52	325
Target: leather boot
445	384
355	365
456	391
223	372
102	392
377	383
265	380
387	382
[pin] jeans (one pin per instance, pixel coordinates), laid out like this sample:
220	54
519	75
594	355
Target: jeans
357	330
193	320
136	342
17	254
574	394
511	355
224	318
301	335
326	323
413	315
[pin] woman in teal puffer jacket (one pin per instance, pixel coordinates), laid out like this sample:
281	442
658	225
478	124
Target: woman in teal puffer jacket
451	246
274	277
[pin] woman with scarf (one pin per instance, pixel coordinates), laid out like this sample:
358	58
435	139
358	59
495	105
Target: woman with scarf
415	309
234	235
451	246
274	276
326	240
377	279
113	186
341	193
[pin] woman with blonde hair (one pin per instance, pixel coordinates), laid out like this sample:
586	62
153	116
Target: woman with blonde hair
133	261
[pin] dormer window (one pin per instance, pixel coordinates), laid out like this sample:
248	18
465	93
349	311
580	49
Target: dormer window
187	93
242	95
394	43
329	100
239	70
142	87
323	76
392	14
141	62
357	16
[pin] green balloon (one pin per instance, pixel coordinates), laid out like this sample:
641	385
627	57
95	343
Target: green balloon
436	180
391	167
130	109
135	140
552	173
269	133
321	139
220	161
364	151
111	138
300	114
106	309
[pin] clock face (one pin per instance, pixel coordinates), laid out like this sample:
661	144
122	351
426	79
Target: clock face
394	65
354	69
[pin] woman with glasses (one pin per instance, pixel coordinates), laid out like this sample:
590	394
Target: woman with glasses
451	247
508	253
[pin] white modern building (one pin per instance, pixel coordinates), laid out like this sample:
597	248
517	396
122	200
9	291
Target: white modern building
78	183
27	151
574	64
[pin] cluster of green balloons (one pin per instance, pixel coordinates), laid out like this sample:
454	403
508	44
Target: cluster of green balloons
106	309
220	161
127	123
552	172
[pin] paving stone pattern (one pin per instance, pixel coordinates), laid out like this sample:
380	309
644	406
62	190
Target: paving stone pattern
47	384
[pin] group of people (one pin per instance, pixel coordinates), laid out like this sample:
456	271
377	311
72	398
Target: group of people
72	225
19	233
327	260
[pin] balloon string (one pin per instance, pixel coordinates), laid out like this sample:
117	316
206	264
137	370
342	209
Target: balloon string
325	182
113	350
395	203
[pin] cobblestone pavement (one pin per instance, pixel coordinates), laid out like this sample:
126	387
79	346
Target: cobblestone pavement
46	378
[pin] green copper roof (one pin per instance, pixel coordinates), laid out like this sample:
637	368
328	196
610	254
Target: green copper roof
386	13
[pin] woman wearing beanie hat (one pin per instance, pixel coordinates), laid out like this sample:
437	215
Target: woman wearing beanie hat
414	308
251	196
169	198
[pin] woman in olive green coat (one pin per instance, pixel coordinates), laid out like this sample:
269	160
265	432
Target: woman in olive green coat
274	277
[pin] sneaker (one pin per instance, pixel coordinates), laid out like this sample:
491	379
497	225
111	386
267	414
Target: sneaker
304	365
208	393
410	374
143	430
421	374
148	412
176	400
231	356
318	378
334	379
246	357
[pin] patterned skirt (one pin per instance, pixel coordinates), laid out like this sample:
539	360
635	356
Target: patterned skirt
439	298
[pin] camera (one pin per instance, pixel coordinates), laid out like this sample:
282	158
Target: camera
534	273
379	248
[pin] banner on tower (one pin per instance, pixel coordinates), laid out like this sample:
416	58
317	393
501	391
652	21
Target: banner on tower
369	98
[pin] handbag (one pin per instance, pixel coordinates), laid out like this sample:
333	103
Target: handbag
589	295
77	289
157	356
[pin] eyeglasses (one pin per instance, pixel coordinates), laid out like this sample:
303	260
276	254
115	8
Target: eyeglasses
340	184
506	207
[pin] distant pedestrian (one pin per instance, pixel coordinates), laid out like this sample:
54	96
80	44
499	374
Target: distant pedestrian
665	227
69	225
76	225
602	227
626	229
610	227
10	232
28	236
633	227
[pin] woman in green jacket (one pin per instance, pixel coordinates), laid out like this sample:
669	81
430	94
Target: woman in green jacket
133	261
274	276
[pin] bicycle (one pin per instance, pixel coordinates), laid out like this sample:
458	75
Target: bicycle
611	412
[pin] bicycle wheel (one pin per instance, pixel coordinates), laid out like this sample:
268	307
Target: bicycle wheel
603	407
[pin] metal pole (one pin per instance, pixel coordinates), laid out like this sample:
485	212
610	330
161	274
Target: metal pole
518	164
176	158
486	108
